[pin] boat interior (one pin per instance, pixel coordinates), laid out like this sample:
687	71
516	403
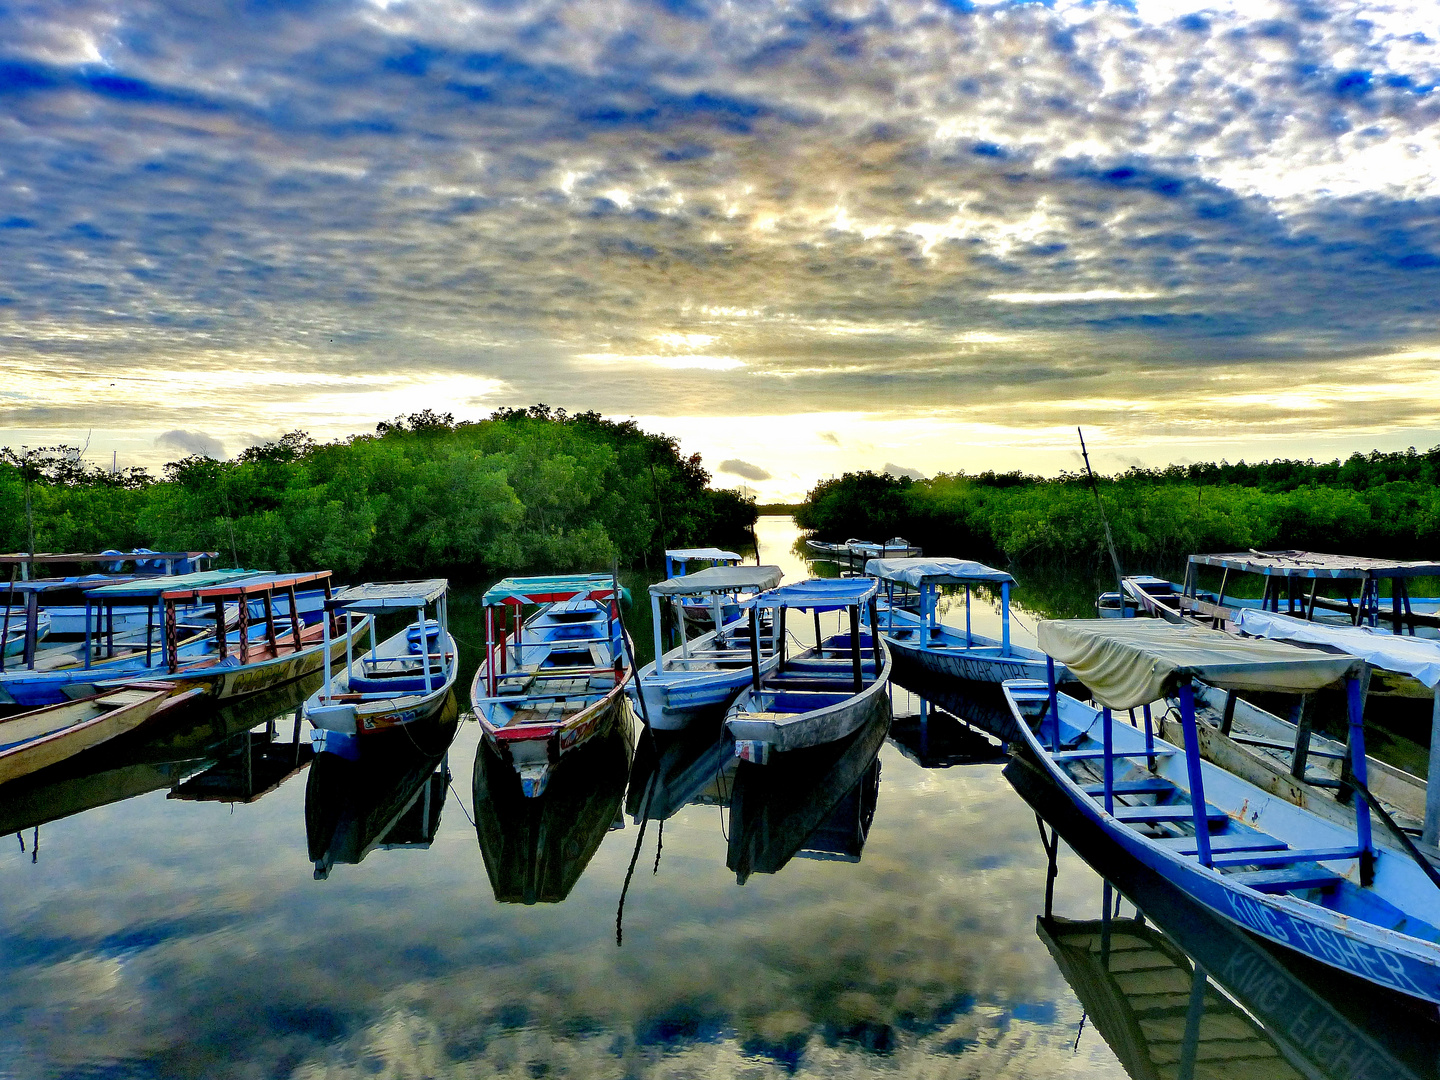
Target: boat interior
564	662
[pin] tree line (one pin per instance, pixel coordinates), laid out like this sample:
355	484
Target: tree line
524	489
1378	504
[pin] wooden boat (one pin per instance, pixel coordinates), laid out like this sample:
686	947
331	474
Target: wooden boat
854	550
561	680
65	602
1162	986
536	847
32	740
16	636
921	643
700	611
824	692
403	680
816	803
394	800
1324	890
699	679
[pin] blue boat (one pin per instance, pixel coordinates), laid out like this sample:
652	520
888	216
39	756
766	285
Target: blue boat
922	645
824	692
405	679
701	677
700	611
1322	889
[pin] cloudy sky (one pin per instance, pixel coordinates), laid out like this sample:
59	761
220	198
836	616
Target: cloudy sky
803	237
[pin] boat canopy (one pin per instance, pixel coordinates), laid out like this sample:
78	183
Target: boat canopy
1130	662
699	554
822	594
917	572
719	579
1316	564
549	590
1419	657
151	587
375	598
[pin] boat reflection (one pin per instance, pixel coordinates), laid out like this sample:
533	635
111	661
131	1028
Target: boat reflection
1177	992
816	803
936	738
674	769
536	848
163	756
387	799
980	705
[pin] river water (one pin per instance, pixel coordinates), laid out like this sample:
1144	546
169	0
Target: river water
206	902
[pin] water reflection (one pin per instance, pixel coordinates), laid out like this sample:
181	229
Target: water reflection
818	802
937	738
169	755
674	769
535	849
386	799
1177	992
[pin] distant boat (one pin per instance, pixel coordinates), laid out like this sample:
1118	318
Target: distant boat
701	677
536	847
682	562
921	643
822	693
404	680
1322	889
32	740
814	804
561	680
897	547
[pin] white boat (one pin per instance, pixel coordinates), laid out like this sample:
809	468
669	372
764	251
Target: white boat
824	692
1322	889
922	645
404	680
701	677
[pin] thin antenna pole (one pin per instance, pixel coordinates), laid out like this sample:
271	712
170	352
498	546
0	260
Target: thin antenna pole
1109	540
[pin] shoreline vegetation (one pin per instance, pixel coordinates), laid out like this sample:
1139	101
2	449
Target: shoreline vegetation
525	489
1385	505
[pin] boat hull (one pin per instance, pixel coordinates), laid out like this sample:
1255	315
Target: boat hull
47	736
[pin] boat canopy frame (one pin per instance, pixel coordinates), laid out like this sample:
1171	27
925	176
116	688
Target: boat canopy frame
928	575
537	591
385	598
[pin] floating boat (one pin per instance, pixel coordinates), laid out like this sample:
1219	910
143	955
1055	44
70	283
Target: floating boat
922	645
32	740
536	847
824	692
394	800
405	679
1177	992
700	678
561	680
15	637
897	547
1324	890
253	657
816	804
700	611
65	603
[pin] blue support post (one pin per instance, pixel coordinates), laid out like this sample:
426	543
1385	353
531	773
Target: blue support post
1357	765
1054	709
1192	764
87	633
1004	618
1107	740
1149	737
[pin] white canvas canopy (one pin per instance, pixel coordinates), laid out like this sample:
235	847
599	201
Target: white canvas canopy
1419	657
936	572
699	554
719	579
1130	662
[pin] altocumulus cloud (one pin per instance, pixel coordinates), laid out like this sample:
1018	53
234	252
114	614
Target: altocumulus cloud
1010	214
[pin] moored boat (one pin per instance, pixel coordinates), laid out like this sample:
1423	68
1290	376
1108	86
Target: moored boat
700	677
1322	889
822	693
403	680
561	680
32	740
922	645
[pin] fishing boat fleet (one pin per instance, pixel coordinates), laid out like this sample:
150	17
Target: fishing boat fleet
1219	742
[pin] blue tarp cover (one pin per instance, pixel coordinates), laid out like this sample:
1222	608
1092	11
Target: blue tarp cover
822	594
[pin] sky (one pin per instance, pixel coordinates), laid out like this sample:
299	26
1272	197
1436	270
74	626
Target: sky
801	237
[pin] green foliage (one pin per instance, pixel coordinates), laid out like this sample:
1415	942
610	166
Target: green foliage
1385	505
525	489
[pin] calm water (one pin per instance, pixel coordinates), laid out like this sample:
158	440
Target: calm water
210	903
